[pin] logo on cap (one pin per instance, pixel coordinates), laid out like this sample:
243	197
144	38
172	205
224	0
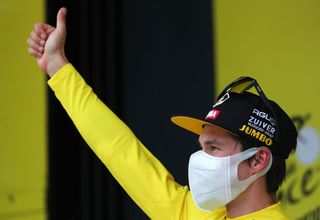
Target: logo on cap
213	114
260	126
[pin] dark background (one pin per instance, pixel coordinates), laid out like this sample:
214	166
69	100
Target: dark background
147	60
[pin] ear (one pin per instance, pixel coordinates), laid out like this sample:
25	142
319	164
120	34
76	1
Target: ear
260	160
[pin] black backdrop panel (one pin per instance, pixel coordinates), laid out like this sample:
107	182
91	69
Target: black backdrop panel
148	60
169	71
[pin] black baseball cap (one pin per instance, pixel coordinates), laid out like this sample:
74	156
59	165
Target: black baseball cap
252	117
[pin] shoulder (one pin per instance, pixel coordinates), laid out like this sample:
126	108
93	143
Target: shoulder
274	211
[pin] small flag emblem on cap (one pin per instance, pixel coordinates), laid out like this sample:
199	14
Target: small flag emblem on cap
213	114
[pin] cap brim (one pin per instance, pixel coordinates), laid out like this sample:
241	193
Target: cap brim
194	125
191	124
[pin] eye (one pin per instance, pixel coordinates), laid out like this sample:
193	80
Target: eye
209	147
213	148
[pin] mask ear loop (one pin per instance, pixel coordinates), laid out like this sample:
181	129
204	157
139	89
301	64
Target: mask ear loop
268	166
264	170
242	185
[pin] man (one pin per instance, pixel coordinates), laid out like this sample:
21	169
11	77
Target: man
244	142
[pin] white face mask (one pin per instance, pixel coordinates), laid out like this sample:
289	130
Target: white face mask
214	181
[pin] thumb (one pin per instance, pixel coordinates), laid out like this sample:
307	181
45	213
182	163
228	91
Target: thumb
61	19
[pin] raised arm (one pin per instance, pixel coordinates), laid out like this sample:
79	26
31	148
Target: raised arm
143	177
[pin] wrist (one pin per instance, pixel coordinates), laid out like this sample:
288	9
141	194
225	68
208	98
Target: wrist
56	64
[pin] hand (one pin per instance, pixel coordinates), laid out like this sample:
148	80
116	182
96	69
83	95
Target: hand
46	44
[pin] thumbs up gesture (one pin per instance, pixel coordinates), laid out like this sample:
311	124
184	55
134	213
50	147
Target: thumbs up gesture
46	44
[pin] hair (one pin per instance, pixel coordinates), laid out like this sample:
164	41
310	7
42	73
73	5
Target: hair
277	172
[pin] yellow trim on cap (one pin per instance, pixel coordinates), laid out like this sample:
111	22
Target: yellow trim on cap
191	124
194	125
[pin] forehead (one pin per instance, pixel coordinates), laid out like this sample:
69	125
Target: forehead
211	132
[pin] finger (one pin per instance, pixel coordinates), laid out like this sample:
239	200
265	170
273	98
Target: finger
34	53
61	19
42	30
32	44
36	38
40	27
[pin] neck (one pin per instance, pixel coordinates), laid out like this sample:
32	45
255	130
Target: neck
251	200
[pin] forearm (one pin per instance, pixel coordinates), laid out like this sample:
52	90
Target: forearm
96	123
